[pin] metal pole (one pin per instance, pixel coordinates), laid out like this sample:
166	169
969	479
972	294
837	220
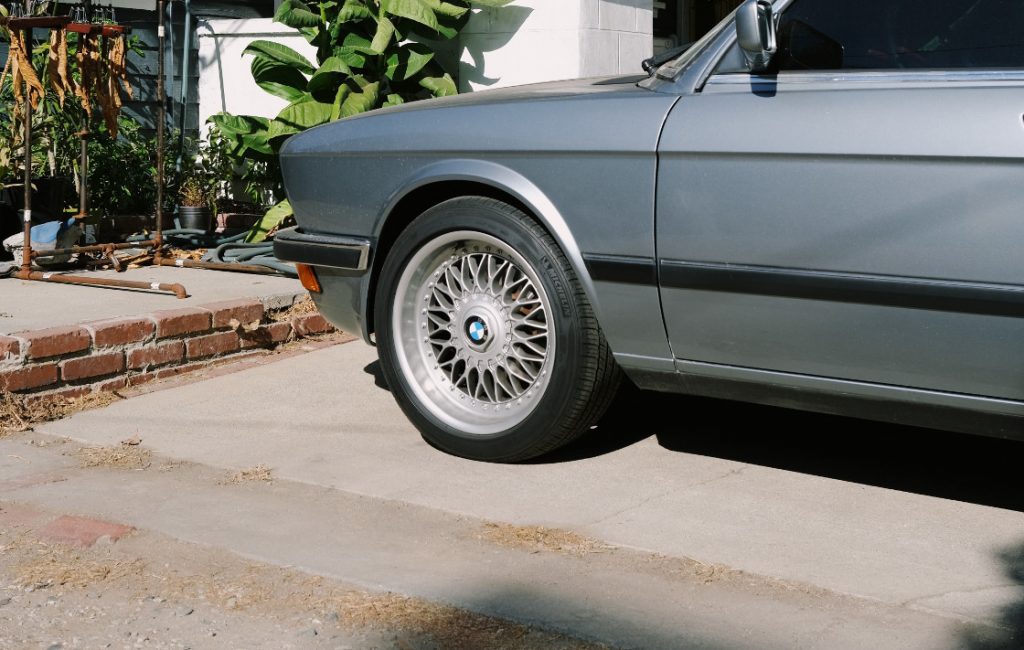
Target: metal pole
186	62
26	255
83	183
160	135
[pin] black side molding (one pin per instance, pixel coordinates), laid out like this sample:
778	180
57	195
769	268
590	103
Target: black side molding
909	293
348	253
622	268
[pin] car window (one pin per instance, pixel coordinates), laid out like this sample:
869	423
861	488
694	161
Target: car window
898	34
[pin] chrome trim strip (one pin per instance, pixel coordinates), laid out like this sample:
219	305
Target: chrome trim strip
868	76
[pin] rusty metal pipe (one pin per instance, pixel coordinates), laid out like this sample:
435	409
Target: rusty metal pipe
217	266
161	118
26	251
39	276
83	182
96	248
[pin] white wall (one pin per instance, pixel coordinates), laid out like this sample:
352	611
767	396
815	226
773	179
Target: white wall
225	83
541	40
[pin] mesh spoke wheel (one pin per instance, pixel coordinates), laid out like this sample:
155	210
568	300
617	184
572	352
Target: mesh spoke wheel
474	327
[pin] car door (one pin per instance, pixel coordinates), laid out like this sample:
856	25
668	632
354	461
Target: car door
864	221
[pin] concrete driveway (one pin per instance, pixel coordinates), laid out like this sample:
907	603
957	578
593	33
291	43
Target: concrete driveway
712	524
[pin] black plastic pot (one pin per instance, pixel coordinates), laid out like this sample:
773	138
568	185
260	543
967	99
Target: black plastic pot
195	217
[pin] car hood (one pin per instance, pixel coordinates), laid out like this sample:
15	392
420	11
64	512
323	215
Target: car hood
557	116
546	90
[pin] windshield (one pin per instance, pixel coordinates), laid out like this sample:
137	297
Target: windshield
671	69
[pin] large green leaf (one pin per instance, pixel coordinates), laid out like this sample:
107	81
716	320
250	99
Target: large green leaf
360	102
447	8
281	54
353	10
343	92
279	79
257	142
354	50
305	114
407	61
297	14
440	86
448	27
279	129
239	124
331	73
490	3
416	10
382	38
270	221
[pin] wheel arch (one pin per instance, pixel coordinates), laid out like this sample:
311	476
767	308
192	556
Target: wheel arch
446	180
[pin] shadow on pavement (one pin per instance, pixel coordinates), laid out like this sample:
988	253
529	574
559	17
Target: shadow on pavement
1011	618
374	370
961	467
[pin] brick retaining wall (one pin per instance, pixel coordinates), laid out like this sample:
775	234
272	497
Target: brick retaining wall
111	354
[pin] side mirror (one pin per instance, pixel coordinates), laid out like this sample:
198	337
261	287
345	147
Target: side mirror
755	31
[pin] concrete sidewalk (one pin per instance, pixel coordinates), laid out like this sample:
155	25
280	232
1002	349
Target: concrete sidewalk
324	421
26	306
64	341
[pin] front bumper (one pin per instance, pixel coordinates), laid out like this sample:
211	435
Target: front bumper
333	251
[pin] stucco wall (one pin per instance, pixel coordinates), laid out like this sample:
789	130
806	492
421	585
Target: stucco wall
543	40
225	83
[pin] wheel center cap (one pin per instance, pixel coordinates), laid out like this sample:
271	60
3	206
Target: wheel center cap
477	330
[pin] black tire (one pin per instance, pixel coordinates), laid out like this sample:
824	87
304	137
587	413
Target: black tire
513	419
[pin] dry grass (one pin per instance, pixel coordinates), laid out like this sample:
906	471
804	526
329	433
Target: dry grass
21	412
51	566
274	592
539	538
258	473
298	308
124	456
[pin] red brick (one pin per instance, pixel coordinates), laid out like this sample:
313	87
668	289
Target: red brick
28	377
56	341
120	331
311	324
279	332
139	380
267	336
211	344
95	365
245	311
117	383
9	346
156	355
79	531
66	393
175	322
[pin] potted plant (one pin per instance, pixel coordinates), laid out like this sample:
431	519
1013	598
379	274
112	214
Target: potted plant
194	200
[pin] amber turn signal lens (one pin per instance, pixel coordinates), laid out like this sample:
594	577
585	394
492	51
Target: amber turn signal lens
308	278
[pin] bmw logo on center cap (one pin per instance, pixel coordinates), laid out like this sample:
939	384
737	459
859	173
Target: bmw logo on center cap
477	330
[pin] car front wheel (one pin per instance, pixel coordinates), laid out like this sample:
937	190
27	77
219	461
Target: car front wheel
486	337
